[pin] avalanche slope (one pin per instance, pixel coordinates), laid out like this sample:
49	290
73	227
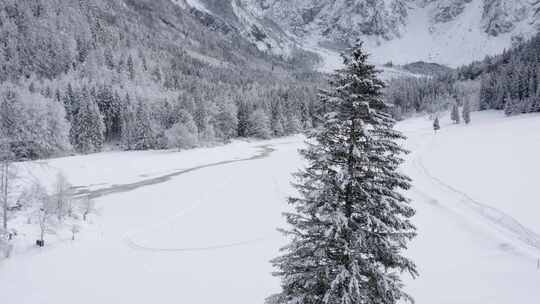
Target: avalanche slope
199	226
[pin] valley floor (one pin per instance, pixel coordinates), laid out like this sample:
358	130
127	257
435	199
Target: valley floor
169	234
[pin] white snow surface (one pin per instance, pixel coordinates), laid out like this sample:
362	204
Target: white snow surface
452	43
195	4
206	236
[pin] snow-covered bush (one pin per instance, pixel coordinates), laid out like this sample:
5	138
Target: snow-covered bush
259	125
182	136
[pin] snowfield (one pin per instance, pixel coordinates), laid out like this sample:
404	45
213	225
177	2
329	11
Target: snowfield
199	226
477	242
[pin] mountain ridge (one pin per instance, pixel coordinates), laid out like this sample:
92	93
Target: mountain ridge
450	32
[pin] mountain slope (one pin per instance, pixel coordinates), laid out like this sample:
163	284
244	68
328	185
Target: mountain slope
451	32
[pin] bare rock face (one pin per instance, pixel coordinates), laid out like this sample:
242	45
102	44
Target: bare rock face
340	20
501	16
448	10
347	20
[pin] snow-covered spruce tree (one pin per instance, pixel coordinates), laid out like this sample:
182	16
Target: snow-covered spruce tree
536	104
226	120
436	124
127	123
455	114
6	174
467	111
351	222
144	135
87	129
259	125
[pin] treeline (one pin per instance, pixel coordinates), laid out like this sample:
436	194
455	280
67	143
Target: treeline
421	94
510	81
83	75
42	122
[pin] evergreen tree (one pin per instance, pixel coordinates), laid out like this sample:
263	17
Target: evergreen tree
71	104
351	222
455	114
105	100
259	125
87	127
467	111
511	107
226	120
131	68
144	135
536	103
436	124
243	119
292	124
487	93
128	122
277	119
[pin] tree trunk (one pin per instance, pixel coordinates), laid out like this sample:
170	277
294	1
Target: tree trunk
5	180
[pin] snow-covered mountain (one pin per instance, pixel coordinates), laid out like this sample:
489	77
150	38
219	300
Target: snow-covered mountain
244	18
451	32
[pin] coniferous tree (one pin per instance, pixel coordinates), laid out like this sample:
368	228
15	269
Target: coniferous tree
536	104
455	114
226	120
292	124
107	107
487	92
128	123
351	222
511	106
259	125
144	135
71	103
436	124
467	111
131	68
276	118
243	119
87	129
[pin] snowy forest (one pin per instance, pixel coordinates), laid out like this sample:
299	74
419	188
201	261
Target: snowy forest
91	75
509	81
276	152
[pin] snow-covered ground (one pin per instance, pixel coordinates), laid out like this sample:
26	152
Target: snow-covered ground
174	235
478	240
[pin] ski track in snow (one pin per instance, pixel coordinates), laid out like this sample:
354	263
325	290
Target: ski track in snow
510	228
495	218
503	222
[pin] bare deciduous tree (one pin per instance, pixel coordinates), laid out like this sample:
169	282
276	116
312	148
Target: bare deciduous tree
74	230
63	197
5	165
44	213
87	207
